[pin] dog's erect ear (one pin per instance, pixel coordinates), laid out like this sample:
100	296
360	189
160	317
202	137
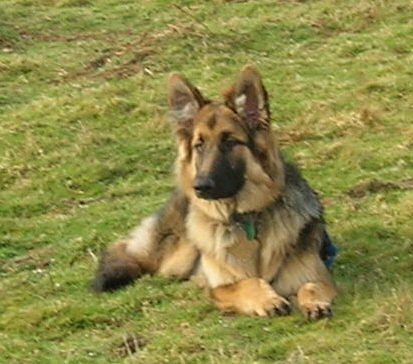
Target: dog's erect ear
248	98
184	100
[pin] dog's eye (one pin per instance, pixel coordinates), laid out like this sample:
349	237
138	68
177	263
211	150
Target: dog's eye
231	143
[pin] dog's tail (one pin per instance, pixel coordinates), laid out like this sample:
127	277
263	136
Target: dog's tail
126	260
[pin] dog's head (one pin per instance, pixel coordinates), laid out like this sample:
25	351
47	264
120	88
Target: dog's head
227	151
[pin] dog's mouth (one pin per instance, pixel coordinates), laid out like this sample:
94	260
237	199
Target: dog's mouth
210	189
210	196
204	196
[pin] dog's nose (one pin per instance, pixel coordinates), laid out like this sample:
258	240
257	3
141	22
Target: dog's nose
204	186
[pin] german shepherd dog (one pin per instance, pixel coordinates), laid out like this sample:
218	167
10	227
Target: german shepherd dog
241	218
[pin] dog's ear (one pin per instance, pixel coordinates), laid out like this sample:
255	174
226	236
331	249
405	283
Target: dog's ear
249	99
184	100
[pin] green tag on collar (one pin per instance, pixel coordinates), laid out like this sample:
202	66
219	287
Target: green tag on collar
249	229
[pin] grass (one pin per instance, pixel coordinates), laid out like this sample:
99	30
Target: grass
85	152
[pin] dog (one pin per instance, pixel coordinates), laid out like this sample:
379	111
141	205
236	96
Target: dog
241	219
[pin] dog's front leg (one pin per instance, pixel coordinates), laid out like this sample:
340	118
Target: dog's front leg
233	290
251	296
307	282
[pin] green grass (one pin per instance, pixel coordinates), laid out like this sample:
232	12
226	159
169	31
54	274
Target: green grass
85	152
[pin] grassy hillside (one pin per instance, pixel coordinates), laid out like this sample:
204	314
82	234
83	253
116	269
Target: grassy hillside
85	152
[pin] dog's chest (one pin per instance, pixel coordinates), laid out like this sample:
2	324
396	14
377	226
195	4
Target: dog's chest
244	249
218	239
257	250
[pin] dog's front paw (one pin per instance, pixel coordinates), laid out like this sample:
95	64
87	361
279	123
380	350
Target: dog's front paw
316	310
269	307
252	296
314	300
260	299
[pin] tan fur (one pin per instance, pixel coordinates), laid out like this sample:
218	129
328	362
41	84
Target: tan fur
179	262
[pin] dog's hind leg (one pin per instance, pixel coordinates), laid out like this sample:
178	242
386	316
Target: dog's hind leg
126	260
